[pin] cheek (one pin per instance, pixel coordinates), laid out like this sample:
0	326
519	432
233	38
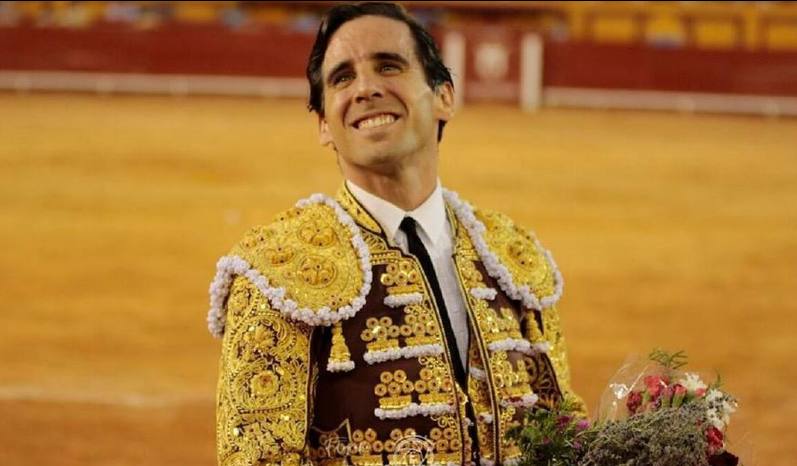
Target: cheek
424	110
336	108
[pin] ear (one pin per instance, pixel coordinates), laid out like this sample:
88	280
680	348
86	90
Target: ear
444	102
324	136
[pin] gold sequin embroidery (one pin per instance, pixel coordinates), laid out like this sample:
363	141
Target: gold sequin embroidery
401	277
308	252
263	381
518	252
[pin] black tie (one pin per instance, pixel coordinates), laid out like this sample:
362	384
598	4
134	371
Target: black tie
416	248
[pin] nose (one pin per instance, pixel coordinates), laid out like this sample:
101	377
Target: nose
368	87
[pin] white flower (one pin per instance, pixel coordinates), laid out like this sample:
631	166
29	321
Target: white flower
713	395
728	408
714	419
692	382
720	408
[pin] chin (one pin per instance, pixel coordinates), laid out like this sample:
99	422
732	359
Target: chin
380	160
380	156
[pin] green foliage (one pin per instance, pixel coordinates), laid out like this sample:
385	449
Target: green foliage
666	437
670	361
552	438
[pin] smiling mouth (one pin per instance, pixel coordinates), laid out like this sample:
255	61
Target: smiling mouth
376	121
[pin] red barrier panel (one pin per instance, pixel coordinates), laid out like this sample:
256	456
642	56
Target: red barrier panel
492	61
589	65
276	52
179	49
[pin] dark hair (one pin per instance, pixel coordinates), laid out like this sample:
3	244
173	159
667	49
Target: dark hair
425	47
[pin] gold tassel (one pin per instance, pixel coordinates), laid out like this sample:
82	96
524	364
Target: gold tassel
533	329
339	357
510	323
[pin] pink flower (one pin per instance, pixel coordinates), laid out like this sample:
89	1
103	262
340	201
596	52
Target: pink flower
678	395
700	392
582	425
633	402
669	396
715	440
654	384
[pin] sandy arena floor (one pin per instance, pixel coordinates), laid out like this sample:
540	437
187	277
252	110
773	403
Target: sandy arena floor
672	230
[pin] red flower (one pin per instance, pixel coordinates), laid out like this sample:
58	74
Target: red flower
678	395
715	440
654	384
563	421
633	402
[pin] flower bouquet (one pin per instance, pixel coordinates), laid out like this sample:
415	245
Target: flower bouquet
653	415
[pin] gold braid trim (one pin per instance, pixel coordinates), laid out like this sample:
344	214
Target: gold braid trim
552	330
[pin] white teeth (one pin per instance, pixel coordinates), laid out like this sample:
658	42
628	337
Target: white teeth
376	121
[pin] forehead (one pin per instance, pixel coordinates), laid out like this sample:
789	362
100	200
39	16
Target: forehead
358	39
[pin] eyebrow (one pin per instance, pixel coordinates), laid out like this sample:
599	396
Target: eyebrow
379	56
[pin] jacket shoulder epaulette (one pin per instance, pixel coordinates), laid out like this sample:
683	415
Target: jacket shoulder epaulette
529	263
512	255
310	262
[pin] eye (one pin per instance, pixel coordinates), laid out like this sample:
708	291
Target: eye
389	68
341	78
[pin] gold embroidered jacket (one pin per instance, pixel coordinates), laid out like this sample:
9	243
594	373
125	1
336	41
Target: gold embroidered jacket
333	350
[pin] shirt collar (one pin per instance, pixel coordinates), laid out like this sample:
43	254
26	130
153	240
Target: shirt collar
430	215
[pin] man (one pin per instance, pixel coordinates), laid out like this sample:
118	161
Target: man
394	323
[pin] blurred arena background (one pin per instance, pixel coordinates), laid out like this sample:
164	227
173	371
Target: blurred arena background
651	145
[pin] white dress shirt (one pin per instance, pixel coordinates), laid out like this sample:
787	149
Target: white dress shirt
437	237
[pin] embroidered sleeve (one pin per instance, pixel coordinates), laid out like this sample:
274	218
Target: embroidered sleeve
264	389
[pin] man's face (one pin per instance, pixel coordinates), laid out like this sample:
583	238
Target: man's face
379	110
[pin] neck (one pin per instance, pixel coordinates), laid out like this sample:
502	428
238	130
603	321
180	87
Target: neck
406	187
